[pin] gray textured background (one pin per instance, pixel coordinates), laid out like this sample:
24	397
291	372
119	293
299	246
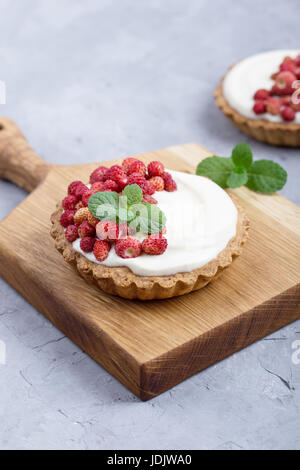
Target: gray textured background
96	80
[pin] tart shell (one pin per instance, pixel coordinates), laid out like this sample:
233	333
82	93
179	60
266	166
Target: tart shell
123	282
273	133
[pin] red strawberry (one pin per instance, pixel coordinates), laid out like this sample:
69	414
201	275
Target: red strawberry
127	162
273	106
85	198
288	114
137	167
262	94
288	66
67	218
92	220
71	233
259	107
158	183
116	173
107	230
128	248
170	185
97	187
122	182
72	187
149	199
283	83
85	229
80	190
297	60
101	250
285	100
136	178
110	185
154	246
69	202
156	168
99	174
87	244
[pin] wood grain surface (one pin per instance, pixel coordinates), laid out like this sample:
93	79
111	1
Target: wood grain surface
151	346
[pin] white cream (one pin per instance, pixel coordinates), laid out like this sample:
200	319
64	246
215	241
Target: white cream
201	219
248	76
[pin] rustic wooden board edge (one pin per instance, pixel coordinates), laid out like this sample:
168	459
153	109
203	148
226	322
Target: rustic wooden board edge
157	376
104	350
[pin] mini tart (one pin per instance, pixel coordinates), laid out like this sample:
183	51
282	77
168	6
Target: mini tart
123	282
273	133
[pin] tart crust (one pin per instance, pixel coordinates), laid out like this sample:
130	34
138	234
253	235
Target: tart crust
123	282
274	133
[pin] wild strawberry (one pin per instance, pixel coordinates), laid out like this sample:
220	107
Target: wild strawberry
283	83
170	185
110	185
297	60
158	183
67	218
92	220
99	174
71	233
146	187
81	215
107	230
295	106
154	246
72	187
128	248
80	190
137	167
87	244
85	198
69	202
122	182
273	106
136	178
262	94
156	168
116	173
259	107
85	229
288	66
288	114
101	250
285	100
149	199
97	187
297	73
127	162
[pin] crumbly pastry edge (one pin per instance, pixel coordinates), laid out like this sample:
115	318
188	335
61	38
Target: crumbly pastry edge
123	282
273	133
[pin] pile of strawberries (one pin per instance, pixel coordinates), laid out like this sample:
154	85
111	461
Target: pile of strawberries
98	236
279	100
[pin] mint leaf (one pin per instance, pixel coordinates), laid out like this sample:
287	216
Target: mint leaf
217	169
238	178
266	176
109	199
147	218
242	155
133	193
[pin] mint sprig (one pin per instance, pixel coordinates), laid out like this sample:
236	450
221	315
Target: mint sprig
263	176
128	207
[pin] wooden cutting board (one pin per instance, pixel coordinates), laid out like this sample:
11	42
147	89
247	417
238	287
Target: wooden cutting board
149	346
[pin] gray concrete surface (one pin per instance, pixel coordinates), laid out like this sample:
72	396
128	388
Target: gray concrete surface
95	80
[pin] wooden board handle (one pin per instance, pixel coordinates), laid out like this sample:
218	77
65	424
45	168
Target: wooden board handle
18	161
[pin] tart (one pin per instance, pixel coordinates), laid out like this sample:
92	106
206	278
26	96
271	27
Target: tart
200	233
275	117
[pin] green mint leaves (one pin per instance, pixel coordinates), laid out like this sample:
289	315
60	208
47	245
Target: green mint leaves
142	217
263	176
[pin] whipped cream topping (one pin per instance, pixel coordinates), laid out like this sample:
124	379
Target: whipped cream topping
250	75
201	220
